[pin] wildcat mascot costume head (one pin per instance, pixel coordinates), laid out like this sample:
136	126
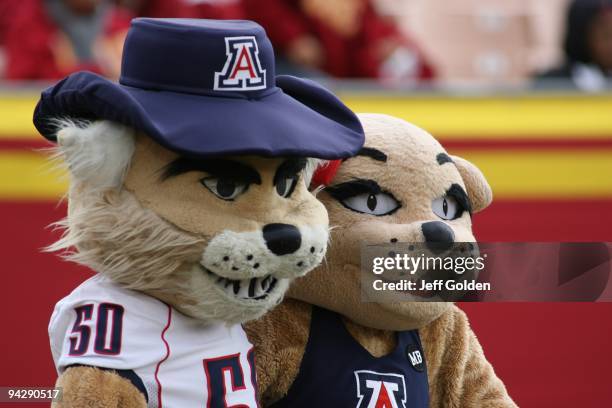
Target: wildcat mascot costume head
327	347
188	196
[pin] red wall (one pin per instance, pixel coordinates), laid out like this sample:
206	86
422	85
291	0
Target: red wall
551	354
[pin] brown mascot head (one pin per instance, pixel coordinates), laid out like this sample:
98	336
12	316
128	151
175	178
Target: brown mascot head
218	238
401	187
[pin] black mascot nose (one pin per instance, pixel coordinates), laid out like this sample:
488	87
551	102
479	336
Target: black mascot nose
282	239
438	236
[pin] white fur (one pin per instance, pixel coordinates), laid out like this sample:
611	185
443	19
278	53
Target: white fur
237	245
113	235
97	153
311	166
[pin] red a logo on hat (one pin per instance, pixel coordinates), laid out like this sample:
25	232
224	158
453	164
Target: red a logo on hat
242	70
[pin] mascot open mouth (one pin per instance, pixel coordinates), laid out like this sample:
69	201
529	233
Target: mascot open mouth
245	289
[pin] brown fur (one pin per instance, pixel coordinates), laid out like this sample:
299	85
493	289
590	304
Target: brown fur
459	374
90	387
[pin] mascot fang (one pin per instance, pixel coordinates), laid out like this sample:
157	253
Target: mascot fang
188	198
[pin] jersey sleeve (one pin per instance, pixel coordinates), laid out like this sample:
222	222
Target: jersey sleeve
102	325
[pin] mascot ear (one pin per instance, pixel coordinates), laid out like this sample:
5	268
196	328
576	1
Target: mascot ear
97	153
478	188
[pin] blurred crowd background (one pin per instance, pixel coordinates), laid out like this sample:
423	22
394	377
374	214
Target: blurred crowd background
518	87
415	42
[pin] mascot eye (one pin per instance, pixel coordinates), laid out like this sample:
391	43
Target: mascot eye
364	196
285	186
225	189
446	208
370	203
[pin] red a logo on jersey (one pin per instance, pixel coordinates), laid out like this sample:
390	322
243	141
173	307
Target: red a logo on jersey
242	70
383	400
380	390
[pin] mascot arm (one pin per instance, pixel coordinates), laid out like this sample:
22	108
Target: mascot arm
280	339
92	387
459	373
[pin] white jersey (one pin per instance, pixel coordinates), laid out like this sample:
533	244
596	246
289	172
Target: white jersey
181	362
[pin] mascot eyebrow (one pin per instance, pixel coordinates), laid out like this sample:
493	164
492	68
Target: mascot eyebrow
215	167
231	169
353	187
444	158
372	153
290	168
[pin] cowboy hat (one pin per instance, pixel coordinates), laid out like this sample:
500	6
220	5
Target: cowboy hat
204	88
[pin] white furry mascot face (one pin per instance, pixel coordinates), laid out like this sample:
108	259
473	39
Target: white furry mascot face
219	239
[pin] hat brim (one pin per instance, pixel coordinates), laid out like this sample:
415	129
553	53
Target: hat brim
314	123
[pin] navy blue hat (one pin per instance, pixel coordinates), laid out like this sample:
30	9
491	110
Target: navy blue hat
204	88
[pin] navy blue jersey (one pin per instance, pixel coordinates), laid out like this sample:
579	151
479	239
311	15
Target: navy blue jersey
336	371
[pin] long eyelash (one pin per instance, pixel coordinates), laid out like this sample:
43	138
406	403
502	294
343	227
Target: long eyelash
459	194
352	188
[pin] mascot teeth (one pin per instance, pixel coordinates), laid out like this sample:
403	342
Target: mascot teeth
248	289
